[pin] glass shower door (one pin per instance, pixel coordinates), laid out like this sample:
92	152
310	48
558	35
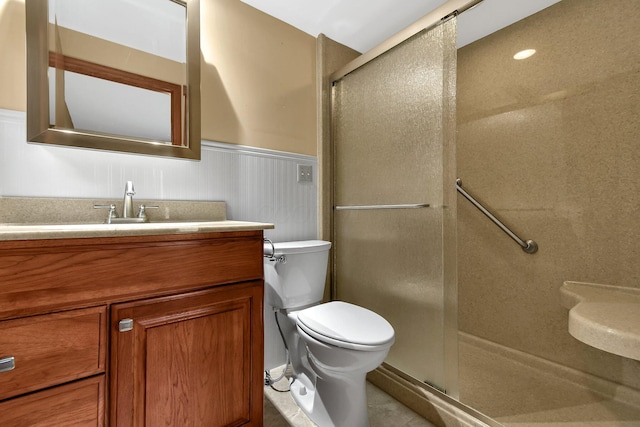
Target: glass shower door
394	199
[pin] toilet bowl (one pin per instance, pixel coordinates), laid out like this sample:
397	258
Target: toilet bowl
332	345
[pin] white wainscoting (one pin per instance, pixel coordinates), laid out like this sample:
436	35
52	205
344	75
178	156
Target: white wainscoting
257	184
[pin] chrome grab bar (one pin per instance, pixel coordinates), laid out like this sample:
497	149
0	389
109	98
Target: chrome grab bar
528	246
370	207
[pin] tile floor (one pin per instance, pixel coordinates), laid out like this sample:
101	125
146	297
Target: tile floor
281	411
520	395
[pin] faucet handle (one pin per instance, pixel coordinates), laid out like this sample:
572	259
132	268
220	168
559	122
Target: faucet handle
142	212
113	213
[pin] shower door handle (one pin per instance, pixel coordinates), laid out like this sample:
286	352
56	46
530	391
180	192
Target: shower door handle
373	207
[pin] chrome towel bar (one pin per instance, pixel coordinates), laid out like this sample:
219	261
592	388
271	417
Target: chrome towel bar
370	207
528	246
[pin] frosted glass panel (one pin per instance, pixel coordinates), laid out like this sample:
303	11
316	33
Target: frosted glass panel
385	265
393	144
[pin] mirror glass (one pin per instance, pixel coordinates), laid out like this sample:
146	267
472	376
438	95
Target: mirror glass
115	74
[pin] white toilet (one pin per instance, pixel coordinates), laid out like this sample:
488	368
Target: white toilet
331	346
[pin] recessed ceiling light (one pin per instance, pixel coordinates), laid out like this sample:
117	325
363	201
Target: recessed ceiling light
524	54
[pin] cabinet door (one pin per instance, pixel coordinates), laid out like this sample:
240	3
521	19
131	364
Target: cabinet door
193	359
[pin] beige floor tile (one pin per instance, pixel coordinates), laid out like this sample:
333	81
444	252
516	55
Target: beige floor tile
384	411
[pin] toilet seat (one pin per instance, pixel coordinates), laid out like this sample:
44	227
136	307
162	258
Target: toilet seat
346	325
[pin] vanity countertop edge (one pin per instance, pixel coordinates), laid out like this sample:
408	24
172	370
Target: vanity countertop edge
71	231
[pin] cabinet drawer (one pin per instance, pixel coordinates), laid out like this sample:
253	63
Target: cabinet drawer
79	404
52	349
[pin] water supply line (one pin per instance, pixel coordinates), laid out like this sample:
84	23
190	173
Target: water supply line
269	380
529	246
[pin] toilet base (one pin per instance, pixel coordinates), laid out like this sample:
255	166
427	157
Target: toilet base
334	402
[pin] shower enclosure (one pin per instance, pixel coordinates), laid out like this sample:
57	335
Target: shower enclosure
394	215
550	145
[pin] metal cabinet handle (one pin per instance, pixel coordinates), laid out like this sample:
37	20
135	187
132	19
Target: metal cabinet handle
125	325
7	364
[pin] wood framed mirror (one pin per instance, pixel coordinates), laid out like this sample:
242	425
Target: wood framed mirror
115	75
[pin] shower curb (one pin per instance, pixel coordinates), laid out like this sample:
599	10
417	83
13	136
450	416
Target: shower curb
433	405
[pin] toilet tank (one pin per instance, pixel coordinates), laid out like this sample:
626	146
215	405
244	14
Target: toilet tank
295	275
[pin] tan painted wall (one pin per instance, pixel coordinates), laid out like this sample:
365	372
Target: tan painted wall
258	79
258	76
551	144
13	69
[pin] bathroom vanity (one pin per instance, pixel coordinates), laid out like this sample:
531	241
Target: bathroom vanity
164	328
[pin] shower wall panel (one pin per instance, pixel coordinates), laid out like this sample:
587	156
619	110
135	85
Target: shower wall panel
550	143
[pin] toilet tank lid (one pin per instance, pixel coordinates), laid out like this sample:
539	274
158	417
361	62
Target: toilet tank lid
299	247
348	323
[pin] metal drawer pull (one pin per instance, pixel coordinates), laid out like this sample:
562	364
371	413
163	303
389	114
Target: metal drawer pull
7	364
125	325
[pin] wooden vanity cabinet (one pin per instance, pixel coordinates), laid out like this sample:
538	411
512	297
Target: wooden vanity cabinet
184	359
49	350
133	331
76	404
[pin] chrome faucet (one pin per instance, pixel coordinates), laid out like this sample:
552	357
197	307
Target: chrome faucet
127	206
127	215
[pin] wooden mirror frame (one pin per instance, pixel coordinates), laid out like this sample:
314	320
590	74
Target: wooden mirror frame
38	61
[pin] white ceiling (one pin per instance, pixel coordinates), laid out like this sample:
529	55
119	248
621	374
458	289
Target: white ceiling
363	24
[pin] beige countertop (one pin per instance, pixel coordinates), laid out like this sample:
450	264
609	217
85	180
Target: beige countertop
603	316
51	218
